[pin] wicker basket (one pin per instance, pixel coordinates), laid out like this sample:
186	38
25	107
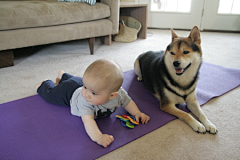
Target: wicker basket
129	30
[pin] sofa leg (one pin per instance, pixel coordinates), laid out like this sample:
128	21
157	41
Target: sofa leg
91	42
107	40
6	58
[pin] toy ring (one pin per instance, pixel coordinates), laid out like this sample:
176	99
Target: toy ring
127	121
127	124
131	118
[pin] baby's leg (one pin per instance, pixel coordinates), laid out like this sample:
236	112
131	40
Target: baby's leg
46	90
38	85
62	76
60	94
59	77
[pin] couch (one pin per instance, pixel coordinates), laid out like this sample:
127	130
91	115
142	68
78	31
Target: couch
37	22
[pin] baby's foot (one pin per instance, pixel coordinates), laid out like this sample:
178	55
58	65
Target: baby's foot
59	77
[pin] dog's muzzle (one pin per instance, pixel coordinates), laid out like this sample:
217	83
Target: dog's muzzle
180	71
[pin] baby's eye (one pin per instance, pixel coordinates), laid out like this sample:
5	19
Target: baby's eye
84	87
94	93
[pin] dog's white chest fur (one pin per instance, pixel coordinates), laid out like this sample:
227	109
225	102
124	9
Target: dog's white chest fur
178	99
173	98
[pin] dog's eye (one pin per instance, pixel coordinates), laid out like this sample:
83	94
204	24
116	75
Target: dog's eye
172	53
185	52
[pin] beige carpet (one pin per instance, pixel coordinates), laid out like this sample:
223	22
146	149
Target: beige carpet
176	140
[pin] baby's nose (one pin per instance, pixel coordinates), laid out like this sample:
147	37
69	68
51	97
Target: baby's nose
87	95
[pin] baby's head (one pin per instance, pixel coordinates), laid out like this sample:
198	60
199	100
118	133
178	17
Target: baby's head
101	80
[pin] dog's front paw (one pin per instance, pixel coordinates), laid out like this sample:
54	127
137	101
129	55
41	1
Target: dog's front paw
139	79
211	128
198	127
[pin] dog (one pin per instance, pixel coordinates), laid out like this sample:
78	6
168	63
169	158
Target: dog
172	75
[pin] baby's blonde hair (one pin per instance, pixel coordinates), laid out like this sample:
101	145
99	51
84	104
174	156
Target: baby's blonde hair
107	72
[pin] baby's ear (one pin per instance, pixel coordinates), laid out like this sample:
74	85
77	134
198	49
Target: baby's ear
113	95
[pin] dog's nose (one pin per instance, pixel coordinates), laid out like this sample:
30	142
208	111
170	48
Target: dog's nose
176	63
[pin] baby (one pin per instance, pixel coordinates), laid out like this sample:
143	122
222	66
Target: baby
96	95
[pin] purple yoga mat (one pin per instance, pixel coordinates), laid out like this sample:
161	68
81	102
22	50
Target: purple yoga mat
31	128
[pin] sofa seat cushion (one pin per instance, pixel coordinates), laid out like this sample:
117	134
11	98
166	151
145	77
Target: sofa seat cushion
29	14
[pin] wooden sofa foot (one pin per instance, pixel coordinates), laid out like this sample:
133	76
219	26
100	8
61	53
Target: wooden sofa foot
107	40
6	58
91	42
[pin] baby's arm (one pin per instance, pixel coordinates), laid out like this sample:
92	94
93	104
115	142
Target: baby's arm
132	108
94	133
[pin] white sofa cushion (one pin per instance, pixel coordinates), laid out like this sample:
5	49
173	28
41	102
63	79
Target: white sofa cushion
29	14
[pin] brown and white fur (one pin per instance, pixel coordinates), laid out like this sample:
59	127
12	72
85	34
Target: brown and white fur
172	75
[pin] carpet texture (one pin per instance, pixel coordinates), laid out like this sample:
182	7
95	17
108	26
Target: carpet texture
34	129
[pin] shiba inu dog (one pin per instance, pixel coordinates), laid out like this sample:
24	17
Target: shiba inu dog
172	75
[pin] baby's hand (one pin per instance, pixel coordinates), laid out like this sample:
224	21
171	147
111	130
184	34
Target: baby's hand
144	118
105	140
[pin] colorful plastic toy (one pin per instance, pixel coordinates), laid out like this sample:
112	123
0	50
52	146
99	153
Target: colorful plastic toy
127	121
131	118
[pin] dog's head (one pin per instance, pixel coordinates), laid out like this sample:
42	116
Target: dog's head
184	53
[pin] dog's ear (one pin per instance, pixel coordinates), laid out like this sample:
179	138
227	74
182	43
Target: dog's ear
174	34
195	35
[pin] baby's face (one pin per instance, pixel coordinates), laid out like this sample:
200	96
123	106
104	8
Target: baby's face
93	91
